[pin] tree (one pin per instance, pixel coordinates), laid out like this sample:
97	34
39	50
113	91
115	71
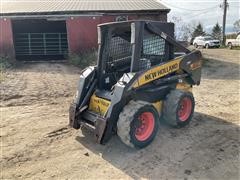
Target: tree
186	31
236	26
198	31
183	31
217	32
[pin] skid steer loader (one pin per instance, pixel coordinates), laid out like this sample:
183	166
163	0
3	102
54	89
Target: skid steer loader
138	80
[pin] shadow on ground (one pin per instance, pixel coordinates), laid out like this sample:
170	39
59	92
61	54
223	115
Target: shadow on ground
188	152
217	69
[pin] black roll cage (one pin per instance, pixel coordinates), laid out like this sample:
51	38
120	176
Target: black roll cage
164	30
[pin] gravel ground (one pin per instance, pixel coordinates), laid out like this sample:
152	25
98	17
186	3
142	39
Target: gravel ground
37	144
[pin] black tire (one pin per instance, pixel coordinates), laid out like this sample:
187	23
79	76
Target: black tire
129	120
230	45
173	105
195	45
207	46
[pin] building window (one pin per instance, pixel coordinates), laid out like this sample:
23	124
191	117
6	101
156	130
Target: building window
121	18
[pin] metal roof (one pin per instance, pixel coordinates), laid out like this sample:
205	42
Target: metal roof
58	6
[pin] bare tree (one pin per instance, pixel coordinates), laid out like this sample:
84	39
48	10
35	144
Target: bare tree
183	30
236	26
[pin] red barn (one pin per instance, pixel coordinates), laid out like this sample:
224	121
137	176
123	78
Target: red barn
32	30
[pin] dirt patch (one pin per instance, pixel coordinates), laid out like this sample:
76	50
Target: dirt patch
36	142
38	82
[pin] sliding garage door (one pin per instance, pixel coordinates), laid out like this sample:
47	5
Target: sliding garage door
40	40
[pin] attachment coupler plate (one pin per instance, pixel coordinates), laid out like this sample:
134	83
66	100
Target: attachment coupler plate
73	122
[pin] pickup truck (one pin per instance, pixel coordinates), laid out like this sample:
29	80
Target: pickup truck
233	42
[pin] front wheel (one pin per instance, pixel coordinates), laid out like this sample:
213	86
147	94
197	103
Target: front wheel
195	45
178	108
138	124
207	46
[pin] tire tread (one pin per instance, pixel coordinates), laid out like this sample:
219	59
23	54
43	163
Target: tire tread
125	119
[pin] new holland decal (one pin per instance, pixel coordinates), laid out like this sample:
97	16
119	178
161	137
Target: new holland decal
99	105
157	72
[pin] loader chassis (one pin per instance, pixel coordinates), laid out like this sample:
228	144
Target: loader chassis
136	62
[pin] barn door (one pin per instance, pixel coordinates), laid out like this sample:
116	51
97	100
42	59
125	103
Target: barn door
41	44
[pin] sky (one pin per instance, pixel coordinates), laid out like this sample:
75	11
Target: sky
207	12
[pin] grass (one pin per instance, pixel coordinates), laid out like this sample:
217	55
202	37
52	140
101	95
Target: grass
83	60
233	48
4	64
236	48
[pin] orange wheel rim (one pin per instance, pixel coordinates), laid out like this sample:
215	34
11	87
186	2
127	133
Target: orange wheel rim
146	126
185	109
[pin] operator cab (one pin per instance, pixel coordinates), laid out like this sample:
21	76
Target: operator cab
130	47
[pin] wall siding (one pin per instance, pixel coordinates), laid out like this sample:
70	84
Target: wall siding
82	31
6	38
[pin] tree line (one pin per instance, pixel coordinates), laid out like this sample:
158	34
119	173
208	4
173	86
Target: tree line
190	31
216	31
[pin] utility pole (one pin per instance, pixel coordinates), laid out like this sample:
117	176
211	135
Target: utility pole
225	5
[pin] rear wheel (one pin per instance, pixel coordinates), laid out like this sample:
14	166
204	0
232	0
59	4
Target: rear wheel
230	45
195	45
138	124
178	108
207	46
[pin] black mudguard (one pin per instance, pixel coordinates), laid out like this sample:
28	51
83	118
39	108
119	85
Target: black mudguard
86	85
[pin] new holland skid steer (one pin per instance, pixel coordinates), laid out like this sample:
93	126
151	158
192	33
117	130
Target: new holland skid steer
137	81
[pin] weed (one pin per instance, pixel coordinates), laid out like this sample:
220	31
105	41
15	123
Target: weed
4	64
83	60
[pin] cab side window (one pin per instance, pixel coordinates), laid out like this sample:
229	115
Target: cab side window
153	45
153	50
